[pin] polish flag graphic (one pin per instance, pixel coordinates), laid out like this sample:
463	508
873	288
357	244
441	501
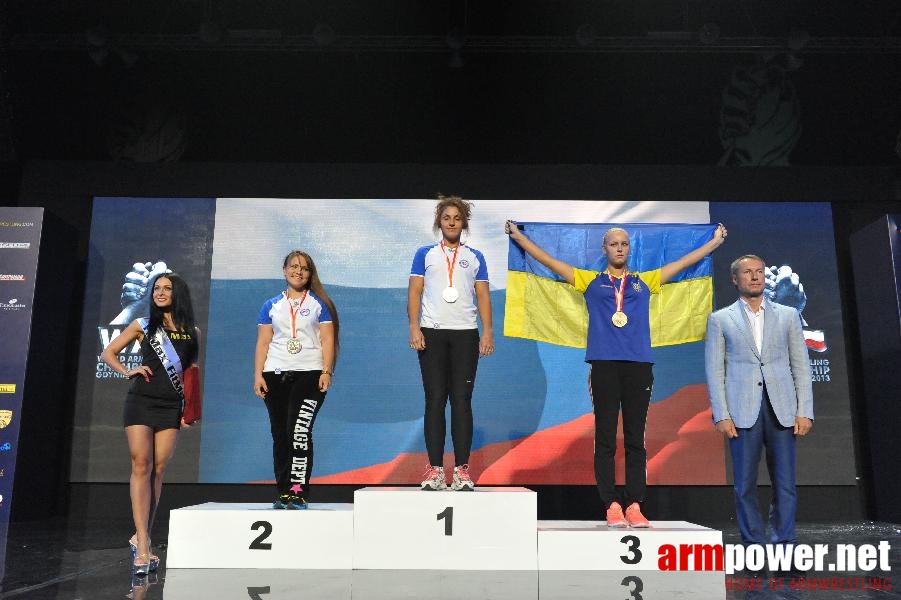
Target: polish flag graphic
815	340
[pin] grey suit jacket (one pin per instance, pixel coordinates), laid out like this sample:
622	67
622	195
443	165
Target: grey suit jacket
737	372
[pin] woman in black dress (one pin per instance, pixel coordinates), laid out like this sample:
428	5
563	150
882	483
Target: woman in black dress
155	403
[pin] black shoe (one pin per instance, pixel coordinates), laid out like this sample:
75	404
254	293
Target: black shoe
281	502
296	503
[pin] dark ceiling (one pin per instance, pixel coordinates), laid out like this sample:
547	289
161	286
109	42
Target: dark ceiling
515	82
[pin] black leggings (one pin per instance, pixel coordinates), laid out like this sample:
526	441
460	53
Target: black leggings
448	366
616	383
293	401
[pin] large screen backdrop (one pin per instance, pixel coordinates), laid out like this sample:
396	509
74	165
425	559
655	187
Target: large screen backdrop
533	422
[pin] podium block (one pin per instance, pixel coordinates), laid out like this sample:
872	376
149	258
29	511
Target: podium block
406	528
225	535
592	546
591	585
263	584
382	584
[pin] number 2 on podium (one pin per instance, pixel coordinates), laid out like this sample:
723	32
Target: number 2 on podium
448	515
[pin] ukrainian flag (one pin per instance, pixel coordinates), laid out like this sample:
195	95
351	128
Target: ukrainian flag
540	306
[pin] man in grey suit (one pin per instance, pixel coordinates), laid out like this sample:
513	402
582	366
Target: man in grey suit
759	382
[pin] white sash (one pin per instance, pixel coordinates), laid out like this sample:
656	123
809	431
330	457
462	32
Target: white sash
165	351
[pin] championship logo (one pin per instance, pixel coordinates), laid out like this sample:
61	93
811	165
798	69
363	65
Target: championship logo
6	416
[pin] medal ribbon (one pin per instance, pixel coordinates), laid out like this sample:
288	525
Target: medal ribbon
451	264
294	314
619	295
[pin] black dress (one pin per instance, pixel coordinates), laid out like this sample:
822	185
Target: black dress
155	403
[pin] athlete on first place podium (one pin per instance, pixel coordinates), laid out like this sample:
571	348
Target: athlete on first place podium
448	289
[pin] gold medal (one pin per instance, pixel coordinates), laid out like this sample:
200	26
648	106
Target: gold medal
294	346
619	318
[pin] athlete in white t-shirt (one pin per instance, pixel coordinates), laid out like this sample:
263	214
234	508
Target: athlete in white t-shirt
294	362
448	290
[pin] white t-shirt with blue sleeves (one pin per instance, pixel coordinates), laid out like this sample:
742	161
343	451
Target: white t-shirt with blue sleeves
308	316
430	262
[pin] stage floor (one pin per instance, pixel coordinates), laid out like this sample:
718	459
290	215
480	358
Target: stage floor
70	560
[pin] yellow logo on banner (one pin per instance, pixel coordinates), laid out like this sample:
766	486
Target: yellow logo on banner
7	388
5	417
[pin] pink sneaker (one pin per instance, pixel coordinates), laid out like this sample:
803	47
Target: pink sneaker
434	479
635	518
462	481
615	516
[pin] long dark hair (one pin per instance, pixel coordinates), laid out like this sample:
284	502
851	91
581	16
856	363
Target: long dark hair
181	308
314	284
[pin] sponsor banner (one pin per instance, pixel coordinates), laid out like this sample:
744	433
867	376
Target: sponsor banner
20	232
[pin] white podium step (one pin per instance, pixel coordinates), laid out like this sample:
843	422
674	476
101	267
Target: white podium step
222	535
406	528
591	585
592	546
259	584
279	584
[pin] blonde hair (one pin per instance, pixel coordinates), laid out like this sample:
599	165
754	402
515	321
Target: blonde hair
734	266
614	230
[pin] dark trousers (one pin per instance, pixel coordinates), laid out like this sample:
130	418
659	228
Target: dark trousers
293	401
619	384
746	449
448	365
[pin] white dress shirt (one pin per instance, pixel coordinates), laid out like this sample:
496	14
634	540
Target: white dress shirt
755	319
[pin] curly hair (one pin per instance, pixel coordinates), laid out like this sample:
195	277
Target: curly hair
444	202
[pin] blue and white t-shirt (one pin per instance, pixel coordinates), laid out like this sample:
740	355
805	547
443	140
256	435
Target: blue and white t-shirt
308	315
430	262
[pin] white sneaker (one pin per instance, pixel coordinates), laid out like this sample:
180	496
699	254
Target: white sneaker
462	481
434	479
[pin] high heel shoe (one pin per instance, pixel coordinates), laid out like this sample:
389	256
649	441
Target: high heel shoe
141	568
154	559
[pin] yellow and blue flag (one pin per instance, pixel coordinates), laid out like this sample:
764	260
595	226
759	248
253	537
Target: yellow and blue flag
541	306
